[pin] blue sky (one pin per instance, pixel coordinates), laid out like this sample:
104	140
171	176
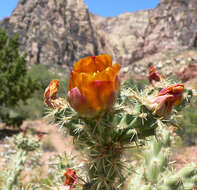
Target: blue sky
116	7
100	7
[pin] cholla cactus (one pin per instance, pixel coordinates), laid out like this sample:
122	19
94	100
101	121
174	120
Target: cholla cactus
24	144
155	172
101	127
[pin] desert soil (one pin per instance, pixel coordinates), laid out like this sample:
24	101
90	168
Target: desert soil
61	143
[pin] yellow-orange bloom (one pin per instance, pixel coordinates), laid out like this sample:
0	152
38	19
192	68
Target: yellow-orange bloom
50	95
51	92
168	97
93	85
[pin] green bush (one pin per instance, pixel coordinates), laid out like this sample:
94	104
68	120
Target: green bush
136	84
21	90
15	85
34	106
188	123
44	74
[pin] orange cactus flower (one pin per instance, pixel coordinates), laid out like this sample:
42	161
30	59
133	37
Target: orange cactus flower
153	75
168	97
71	178
93	85
50	95
51	92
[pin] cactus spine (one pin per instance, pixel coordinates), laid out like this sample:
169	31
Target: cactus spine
23	145
155	172
104	135
103	140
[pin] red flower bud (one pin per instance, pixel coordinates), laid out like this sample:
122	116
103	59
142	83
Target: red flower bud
71	178
153	75
168	97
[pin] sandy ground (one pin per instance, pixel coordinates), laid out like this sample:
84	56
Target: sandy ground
182	156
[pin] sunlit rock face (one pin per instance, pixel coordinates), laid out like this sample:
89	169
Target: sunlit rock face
123	32
172	26
61	32
55	31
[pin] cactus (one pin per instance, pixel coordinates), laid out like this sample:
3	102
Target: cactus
103	139
103	131
155	172
23	145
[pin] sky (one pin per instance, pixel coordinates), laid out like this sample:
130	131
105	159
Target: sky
115	7
101	7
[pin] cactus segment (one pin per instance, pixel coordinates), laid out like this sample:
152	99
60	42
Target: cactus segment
104	137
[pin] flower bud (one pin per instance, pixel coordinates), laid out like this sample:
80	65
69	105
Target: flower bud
50	98
168	97
153	75
71	178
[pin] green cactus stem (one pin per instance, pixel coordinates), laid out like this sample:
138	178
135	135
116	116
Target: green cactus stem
103	140
155	172
23	145
16	169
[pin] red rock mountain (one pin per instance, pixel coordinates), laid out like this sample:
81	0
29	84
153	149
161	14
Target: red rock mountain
62	31
55	31
172	26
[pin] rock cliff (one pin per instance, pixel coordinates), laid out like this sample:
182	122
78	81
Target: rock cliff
55	31
62	31
172	26
123	32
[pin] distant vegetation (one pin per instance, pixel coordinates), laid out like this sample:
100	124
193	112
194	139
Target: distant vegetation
136	84
15	85
188	123
21	90
43	75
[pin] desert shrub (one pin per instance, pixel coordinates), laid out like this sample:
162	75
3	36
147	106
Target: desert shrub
44	74
15	84
136	84
34	106
188	123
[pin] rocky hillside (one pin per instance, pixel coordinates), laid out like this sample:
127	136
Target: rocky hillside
55	31
172	27
62	31
123	32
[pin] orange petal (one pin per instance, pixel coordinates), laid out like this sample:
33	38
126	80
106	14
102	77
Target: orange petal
99	93
172	89
52	90
177	101
93	64
81	80
108	74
